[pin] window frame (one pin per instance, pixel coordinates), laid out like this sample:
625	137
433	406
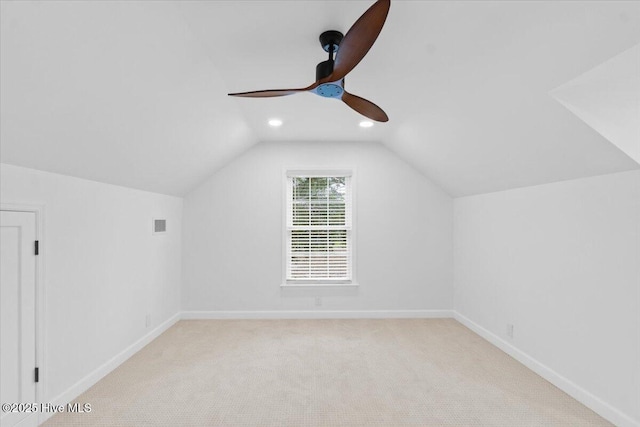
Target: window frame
318	172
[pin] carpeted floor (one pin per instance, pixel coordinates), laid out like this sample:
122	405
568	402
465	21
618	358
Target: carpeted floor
392	372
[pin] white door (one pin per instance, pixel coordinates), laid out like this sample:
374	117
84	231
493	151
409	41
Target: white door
17	315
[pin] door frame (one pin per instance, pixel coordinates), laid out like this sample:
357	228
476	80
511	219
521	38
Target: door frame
40	305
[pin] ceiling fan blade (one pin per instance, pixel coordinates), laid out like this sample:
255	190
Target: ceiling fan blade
267	93
270	93
364	107
359	39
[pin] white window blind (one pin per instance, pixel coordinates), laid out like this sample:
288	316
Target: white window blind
319	225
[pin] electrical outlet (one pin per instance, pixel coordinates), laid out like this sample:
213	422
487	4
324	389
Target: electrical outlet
510	330
147	321
318	302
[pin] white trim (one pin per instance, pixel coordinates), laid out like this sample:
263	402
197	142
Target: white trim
320	314
323	171
41	332
317	284
30	420
581	395
89	380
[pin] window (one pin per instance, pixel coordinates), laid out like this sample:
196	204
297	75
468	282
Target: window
319	227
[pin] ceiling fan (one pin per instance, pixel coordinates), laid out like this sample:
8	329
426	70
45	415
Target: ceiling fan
349	51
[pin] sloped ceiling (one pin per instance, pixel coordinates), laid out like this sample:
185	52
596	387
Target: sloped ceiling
118	92
134	93
607	98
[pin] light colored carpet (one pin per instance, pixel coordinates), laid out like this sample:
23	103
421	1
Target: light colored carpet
391	372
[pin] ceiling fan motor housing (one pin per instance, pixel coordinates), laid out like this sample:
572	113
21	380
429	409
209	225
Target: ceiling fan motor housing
329	40
324	69
331	89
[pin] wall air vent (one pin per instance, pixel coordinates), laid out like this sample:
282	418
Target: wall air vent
159	226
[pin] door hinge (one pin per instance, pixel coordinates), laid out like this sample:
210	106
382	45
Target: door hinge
37	375
37	247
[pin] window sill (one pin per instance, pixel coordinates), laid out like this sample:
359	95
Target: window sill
318	285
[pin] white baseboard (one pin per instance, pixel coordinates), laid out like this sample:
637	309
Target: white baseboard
29	421
85	383
581	395
319	314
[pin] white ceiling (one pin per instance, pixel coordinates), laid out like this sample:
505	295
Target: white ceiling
607	98
134	93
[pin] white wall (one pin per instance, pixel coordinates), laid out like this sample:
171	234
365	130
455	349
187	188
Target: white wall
104	270
561	262
233	234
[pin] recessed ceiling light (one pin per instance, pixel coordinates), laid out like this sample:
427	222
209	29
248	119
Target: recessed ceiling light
366	124
275	123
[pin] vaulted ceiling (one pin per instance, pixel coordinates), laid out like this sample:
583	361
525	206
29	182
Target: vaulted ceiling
134	93
607	98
